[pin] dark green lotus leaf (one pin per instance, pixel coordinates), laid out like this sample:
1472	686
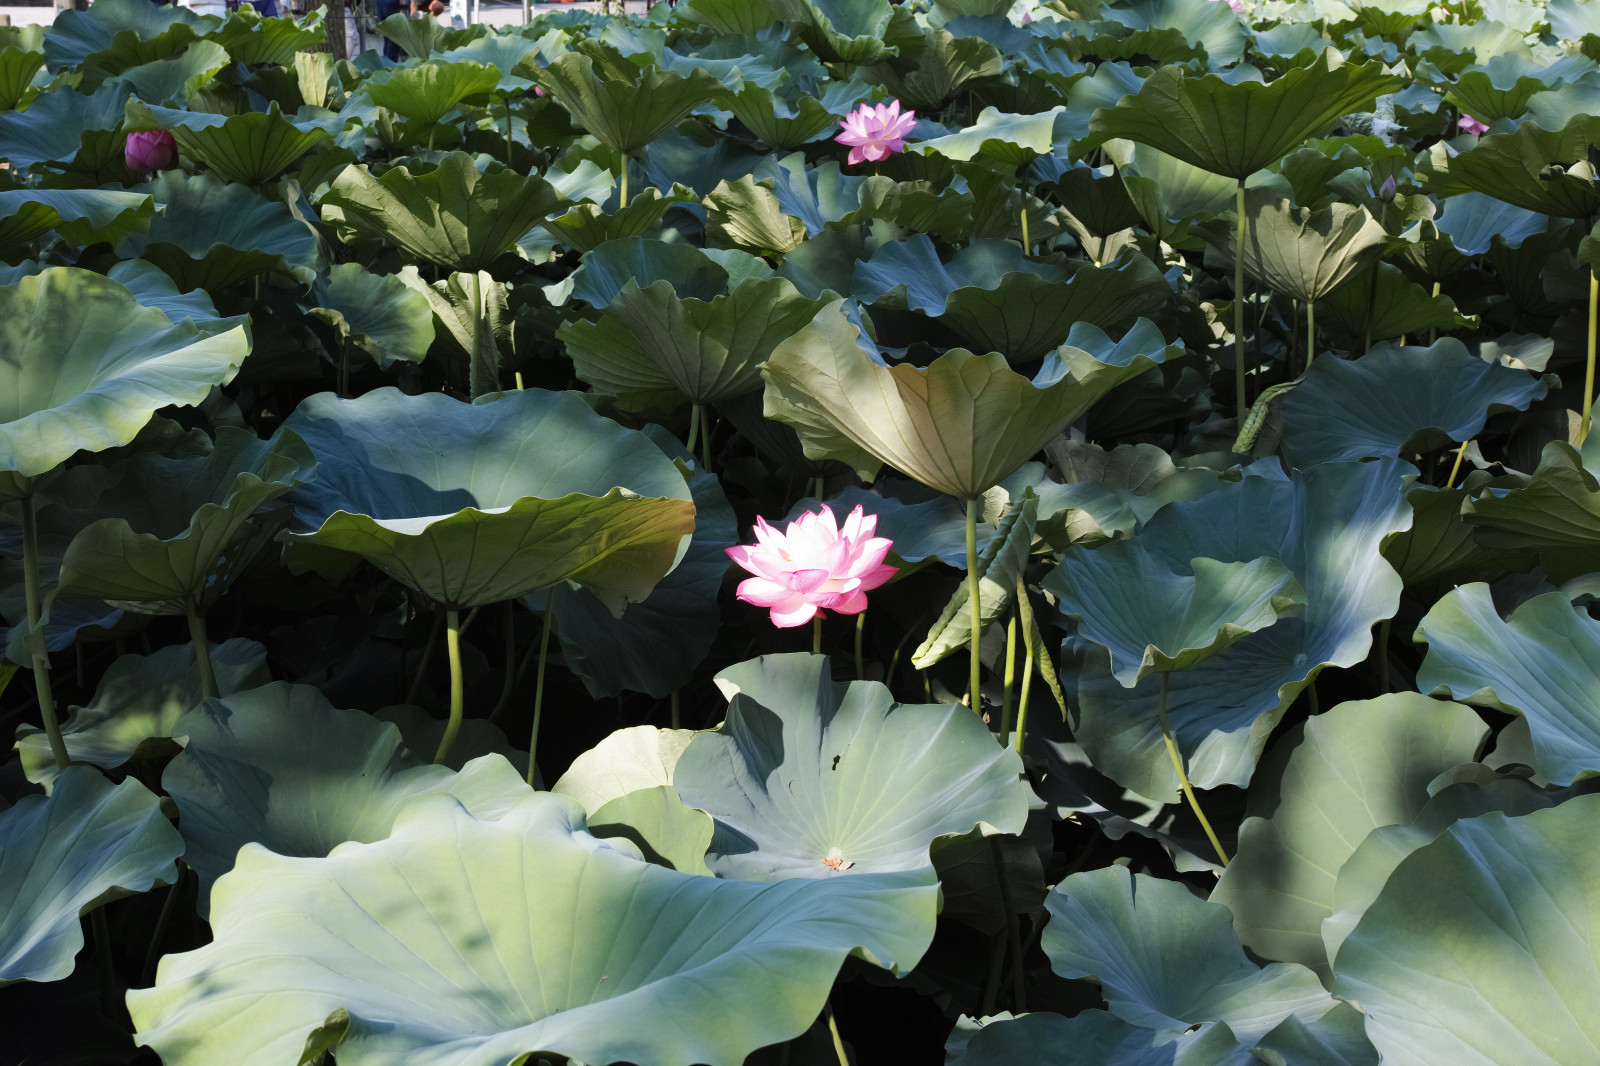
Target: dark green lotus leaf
212	234
961	424
1555	509
1397	400
776	122
623	105
1218	33
1540	664
1170	194
923	526
91	366
152	287
137	704
82	216
587	226
1296	251
249	148
1326	524
993	296
418	37
477	503
1322	789
1387	309
665	831
177	79
745	215
53	127
999	565
1500	89
628	760
170	533
454	215
1238	129
607	270
812	779
130	30
1516	167
943	66
63	855
1167	960
601	959
1097	200
425	92
1150	618
378	313
984	874
730	17
1458	962
282	767
839	31
1045	1039
255	41
1440	551
823	197
21	57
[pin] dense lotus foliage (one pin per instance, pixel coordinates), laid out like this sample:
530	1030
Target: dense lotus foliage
803	532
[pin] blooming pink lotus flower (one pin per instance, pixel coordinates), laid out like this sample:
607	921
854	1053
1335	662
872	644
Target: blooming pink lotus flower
813	565
876	132
1468	124
150	150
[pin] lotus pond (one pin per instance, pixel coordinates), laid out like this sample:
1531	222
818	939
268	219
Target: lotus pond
803	532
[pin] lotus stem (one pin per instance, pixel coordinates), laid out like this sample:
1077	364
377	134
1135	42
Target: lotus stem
694	429
705	440
833	1031
1455	468
1028	653
1019	989
1588	366
1238	304
677	719
623	195
427	656
538	685
41	662
816	633
202	652
821	487
505	98
1010	680
1383	656
1432	333
1372	298
991	985
1183	777
452	645
1311	332
169	906
1026	244
861	623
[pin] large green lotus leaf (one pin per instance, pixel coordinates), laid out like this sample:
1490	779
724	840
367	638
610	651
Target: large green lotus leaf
1500	89
587	226
810	779
411	941
82	216
1236	129
607	270
1296	251
1479	950
665	831
1516	167
250	148
477	503
1170	194
999	565
455	215
824	197
1542	664
177	79
1317	795
993	296
1327	525
839	31
652	348
53	127
1167	960
744	215
730	17
624	106
935	69
211	234
1387	310
91	366
378	313
658	642
1556	508
984	876
152	287
775	121
63	855
1397	400
171	531
282	767
253	40
137	703
923	526
504	54
1440	549
1095	1037
1220	34
1014	140
425	92
1152	619
131	33
419	37
959	425
18	67
626	761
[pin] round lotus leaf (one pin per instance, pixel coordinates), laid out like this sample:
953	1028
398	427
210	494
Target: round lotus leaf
91	366
64	854
812	779
478	503
629	760
623	105
425	92
1296	251
463	941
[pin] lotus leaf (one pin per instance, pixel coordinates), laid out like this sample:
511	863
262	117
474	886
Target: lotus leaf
180	78
1540	664
250	148
1045	1039
474	504
775	121
63	855
378	313
455	216
1000	565
256	41
18	65
1216	32
1298	252
152	287
960	425
1014	140
426	92
1323	788
1169	961
810	779
92	366
930	74
838	31
984	876
665	831
1503	984
587	226
608	269
1385	308
505	54
624	106
419	37
601	956
82	216
53	127
1555	509
1397	400
1514	167
75	39
824	196
745	215
629	760
746	17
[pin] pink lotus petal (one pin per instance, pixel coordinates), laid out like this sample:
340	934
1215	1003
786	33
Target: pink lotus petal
1468	124
813	564
876	131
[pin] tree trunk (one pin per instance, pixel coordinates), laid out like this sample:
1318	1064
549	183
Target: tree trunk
333	23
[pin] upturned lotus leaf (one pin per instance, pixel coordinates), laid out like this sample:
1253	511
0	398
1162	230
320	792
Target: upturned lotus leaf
628	760
249	148
425	92
1516	167
378	313
1296	251
623	105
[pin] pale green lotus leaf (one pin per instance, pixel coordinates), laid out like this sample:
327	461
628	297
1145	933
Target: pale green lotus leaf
478	503
812	779
82	216
254	40
53	127
409	944
623	105
18	67
665	831
177	79
608	269
1296	251
741	214
1322	789
63	855
425	92
730	17
1167	960
73	39
776	122
378	313
1014	140
628	760
418	37
504	54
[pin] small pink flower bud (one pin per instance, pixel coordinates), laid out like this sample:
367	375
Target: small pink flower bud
151	150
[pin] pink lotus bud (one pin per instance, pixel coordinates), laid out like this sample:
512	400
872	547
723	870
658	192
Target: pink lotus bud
813	565
1386	191
151	150
876	132
1468	124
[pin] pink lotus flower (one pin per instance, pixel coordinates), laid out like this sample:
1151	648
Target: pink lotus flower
150	150
876	132
1468	124
813	565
